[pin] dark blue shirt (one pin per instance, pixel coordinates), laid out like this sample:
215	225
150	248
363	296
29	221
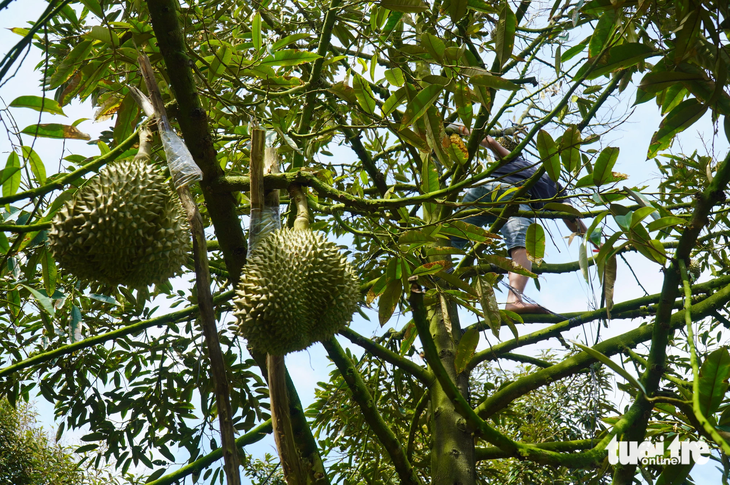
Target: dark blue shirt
519	170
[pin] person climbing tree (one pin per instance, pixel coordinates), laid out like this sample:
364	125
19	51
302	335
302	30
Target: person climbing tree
509	176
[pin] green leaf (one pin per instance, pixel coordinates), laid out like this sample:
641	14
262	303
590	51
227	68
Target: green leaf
456	282
11	175
55	130
602	33
415	237
434	46
674	474
49	271
481	6
127	118
467	231
429	268
488	302
71	63
548	154
38	103
654	82
457	10
489	81
408	337
611	364
36	164
256	31
43	300
506	264
94	7
395	76
560	207
678	120
418	106
640	214
289	57
665	222
570	149
222	58
395	100
504	38
389	300
364	94
289	39
103	34
602	170
609	283
465	350
535	243
406	6
714	375
574	51
621	57
464	108
583	261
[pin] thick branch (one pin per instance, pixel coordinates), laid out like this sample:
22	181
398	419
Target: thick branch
194	125
420	373
362	396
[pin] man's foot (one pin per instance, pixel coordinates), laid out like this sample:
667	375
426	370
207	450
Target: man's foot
522	307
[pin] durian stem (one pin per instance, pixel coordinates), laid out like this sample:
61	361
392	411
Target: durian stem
281	422
231	463
296	194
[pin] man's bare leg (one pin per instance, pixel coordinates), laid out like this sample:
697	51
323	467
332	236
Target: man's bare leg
518	282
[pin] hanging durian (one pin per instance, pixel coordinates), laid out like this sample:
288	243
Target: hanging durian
123	227
297	289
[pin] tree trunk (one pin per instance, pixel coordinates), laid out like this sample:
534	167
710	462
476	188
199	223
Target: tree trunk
452	451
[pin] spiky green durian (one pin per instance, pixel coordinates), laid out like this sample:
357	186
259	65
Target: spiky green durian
297	289
123	227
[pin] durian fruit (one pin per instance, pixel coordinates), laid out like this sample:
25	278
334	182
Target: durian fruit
123	227
509	142
297	289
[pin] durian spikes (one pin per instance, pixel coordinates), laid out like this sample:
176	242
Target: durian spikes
123	227
297	289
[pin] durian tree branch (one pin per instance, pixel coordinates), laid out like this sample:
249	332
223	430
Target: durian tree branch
421	373
620	310
609	347
127	329
494	453
60	182
694	363
368	407
194	126
580	460
253	436
663	330
208	324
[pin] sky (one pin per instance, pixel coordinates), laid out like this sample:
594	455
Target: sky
560	293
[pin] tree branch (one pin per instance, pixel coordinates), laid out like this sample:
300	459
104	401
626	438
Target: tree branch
362	396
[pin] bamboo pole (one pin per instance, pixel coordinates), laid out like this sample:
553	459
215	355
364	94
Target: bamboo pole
280	419
220	379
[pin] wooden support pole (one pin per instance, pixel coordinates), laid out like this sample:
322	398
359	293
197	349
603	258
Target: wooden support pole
219	377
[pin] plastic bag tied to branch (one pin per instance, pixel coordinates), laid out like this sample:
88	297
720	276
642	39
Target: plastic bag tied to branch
263	221
183	168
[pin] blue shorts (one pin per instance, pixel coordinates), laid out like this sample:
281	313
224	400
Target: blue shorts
513	231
